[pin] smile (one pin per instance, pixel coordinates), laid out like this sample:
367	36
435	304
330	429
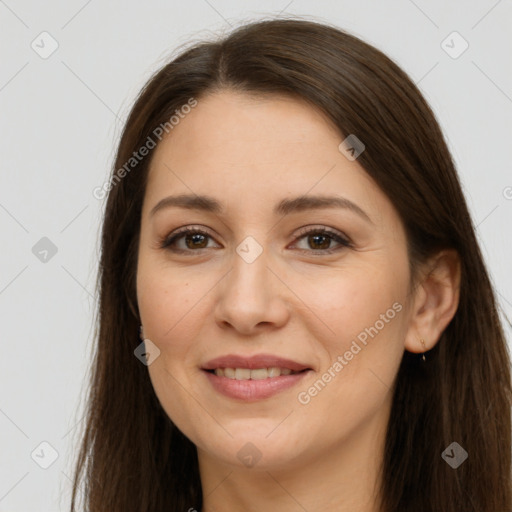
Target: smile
254	374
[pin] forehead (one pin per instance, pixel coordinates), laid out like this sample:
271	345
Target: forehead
255	148
227	125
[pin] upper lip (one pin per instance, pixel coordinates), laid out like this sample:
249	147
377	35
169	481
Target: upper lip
253	362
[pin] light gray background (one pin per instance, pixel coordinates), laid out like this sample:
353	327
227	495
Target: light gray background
60	122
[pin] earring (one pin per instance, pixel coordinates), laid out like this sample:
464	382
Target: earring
424	348
141	336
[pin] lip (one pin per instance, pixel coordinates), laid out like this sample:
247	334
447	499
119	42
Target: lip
253	362
254	390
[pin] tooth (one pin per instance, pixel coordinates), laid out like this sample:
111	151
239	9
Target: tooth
274	372
260	373
229	372
256	374
242	373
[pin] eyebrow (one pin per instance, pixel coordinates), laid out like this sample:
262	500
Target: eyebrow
299	204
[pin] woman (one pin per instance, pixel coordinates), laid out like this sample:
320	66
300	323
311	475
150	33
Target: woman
286	232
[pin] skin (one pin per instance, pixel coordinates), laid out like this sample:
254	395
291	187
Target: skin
293	300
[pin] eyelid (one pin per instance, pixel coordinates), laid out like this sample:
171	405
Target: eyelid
314	228
165	242
335	235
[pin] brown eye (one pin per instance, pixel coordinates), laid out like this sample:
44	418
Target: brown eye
319	240
195	239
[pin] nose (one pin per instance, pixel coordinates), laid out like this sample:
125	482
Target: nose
252	297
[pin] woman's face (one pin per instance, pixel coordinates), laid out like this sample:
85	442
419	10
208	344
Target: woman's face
250	281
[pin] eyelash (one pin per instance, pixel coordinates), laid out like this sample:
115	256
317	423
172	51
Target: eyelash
166	243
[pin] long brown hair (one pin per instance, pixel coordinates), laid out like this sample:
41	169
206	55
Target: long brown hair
132	457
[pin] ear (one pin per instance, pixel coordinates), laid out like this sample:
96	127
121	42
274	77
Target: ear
435	301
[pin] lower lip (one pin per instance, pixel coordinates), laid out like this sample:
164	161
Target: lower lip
252	390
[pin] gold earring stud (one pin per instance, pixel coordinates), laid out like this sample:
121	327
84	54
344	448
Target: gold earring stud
424	348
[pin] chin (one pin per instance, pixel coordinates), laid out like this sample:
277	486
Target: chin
256	451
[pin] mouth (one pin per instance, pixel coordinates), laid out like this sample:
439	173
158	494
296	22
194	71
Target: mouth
254	374
253	378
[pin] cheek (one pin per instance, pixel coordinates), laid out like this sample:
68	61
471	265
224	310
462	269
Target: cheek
366	315
171	311
349	302
165	297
